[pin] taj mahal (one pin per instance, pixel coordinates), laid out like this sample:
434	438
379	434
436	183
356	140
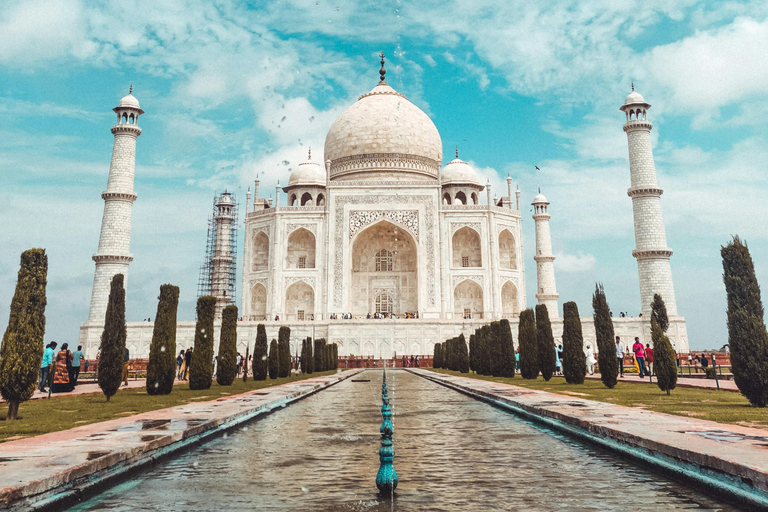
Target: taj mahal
381	248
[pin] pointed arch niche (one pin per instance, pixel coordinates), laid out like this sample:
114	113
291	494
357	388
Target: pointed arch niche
299	302
509	305
260	258
258	309
466	248
507	250
301	249
468	300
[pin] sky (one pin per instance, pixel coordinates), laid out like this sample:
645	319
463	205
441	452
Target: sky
232	89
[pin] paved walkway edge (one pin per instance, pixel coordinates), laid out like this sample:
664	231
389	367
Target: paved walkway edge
711	477
75	484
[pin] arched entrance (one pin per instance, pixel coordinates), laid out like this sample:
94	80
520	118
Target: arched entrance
507	250
258	303
466	248
301	249
384	271
509	306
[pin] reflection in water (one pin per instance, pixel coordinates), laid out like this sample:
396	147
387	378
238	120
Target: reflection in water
453	453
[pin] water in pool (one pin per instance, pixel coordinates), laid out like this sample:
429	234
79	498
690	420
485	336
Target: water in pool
453	453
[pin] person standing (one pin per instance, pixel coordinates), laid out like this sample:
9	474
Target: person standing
517	359
559	362
639	352
179	364
649	358
620	356
77	360
126	362
61	370
187	362
45	366
591	360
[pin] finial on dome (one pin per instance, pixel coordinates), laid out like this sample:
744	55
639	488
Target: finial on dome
633	86
309	154
457	151
382	71
130	89
539	190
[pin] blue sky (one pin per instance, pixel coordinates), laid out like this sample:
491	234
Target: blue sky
232	89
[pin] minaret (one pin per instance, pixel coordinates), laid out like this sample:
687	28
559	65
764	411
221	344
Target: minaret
546	290
651	250
222	256
113	255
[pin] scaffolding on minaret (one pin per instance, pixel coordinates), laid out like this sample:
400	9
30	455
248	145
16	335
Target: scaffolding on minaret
218	273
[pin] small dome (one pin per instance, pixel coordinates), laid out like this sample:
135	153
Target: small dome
540	198
129	101
225	199
308	173
634	97
459	172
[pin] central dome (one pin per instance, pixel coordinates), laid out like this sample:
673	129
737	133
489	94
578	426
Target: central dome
383	135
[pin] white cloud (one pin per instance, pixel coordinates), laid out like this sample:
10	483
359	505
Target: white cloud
579	262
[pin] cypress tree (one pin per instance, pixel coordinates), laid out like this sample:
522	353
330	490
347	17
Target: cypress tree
446	357
226	367
201	368
462	354
659	312
606	357
437	359
574	361
112	345
318	355
507	349
310	357
161	369
260	363
664	365
545	343
747	335
274	359
334	356
494	346
21	353
284	349
526	335
245	362
482	350
472	353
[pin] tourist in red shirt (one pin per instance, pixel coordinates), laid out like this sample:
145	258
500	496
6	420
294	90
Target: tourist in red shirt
639	352
649	358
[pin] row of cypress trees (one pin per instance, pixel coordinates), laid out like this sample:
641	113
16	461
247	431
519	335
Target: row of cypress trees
452	355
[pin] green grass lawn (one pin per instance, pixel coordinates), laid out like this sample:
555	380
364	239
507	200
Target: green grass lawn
64	412
720	406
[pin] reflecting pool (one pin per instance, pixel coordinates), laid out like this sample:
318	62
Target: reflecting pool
453	453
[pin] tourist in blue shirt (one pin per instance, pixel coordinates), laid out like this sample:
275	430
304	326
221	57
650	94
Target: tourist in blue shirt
45	367
77	359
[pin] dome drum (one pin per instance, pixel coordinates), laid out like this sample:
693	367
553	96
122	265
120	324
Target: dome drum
399	165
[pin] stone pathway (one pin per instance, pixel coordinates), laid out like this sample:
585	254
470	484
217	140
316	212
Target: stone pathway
683	382
730	458
53	470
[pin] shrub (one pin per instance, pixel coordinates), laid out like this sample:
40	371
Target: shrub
274	359
462	355
21	353
574	361
307	360
161	368
494	350
201	368
472	353
334	356
545	342
606	357
507	349
112	347
319	355
260	363
526	335
226	367
710	372
284	349
437	360
747	335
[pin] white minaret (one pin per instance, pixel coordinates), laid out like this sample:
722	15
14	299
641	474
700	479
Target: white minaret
113	255
222	255
546	290
651	250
